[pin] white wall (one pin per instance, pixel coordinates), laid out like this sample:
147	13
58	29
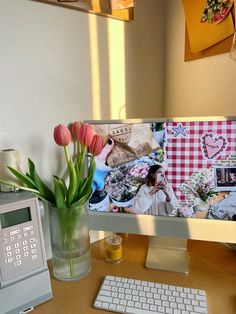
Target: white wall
195	88
59	65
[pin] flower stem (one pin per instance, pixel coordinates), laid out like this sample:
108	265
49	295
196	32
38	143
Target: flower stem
66	154
71	257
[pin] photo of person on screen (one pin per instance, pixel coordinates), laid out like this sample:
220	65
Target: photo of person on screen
156	196
232	176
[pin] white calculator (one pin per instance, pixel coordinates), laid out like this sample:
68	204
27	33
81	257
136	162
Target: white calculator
23	265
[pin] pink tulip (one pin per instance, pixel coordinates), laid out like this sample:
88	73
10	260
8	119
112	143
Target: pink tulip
62	135
96	145
74	129
85	134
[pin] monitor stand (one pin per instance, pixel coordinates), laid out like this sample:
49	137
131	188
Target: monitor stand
168	254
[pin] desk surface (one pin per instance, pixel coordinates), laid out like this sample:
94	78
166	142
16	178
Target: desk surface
212	267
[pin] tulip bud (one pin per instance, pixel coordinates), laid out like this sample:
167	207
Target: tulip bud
74	130
62	135
85	134
96	145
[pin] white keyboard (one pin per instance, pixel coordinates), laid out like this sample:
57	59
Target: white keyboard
126	295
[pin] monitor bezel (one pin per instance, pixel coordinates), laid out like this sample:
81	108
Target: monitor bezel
173	227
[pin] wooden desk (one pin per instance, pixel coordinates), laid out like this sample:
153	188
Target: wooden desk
212	267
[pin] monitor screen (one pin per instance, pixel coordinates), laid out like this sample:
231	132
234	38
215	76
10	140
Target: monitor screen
183	167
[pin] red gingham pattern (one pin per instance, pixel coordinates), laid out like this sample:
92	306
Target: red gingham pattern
185	155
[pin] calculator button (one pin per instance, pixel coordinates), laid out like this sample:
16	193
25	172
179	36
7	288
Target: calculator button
33	245
24	242
9	254
32	240
14	232
8	248
34	256
25	248
33	251
10	259
12	238
18	256
25	234
17	245
26	228
26	254
17	251
18	236
18	263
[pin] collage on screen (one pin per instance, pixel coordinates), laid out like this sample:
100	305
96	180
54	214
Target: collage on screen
167	168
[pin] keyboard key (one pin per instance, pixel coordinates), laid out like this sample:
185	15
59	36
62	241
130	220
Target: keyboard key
189	307
105	292
103	298
143	300
123	302
120	308
145	306
132	310
200	297
130	303
135	298
199	309
161	309
157	302
153	308
128	297
105	305
112	307
181	307
173	305
98	304
138	305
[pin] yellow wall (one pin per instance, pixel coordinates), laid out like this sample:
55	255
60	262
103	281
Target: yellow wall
196	88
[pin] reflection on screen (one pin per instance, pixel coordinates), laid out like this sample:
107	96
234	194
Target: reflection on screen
184	169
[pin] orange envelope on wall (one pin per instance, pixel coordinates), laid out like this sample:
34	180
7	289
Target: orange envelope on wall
204	35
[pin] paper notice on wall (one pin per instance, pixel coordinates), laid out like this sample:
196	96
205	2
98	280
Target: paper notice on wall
204	35
121	4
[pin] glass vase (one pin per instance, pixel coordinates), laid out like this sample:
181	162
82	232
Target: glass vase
201	209
70	242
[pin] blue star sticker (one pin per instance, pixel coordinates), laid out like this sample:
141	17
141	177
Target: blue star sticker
179	130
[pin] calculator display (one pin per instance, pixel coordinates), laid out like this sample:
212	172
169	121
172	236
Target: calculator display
15	217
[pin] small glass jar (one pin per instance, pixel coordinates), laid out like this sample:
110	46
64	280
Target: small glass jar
114	248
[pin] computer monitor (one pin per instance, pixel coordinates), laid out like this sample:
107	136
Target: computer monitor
170	179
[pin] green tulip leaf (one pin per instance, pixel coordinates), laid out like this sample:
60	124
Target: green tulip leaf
62	182
42	188
82	200
22	177
31	167
59	194
72	189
